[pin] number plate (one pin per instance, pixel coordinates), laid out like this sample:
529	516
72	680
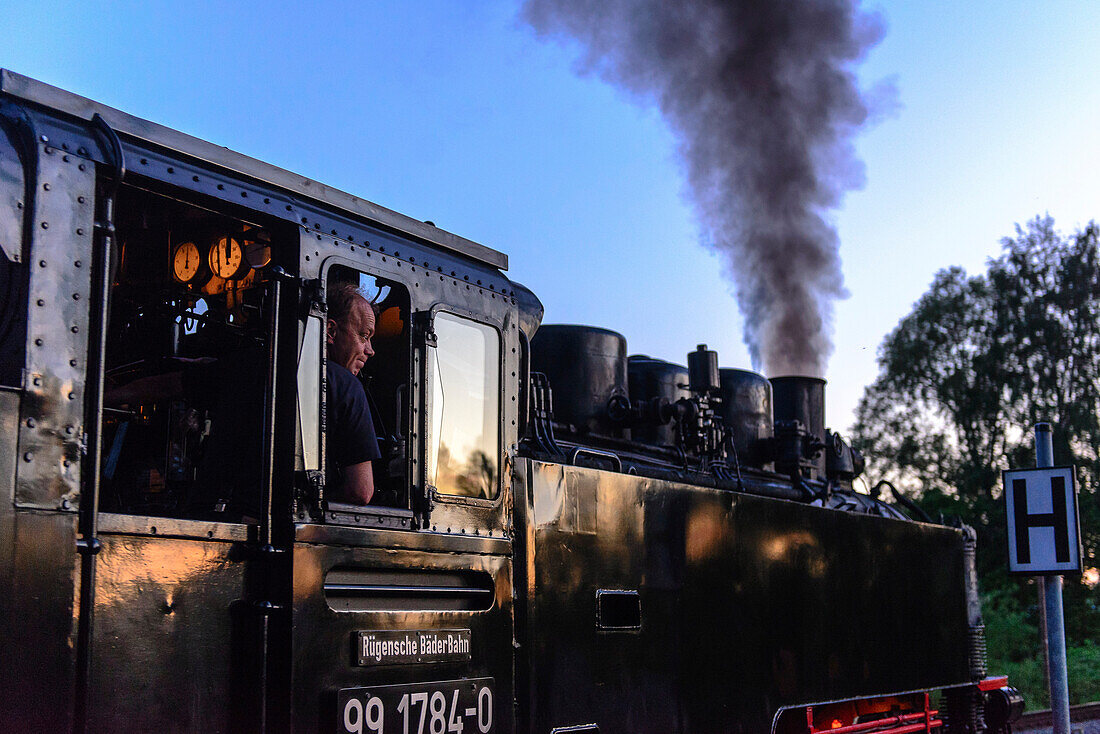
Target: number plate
443	707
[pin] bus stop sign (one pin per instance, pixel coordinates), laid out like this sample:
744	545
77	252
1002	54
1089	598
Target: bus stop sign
1043	531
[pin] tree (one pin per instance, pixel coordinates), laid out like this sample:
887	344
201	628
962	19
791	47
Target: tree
970	369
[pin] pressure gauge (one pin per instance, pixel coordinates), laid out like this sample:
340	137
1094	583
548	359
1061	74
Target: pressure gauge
227	258
186	262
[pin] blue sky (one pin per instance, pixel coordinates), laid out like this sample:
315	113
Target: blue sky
453	111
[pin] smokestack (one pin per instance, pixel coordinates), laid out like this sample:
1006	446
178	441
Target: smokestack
763	100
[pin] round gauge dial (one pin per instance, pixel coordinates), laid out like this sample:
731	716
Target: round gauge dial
186	262
227	258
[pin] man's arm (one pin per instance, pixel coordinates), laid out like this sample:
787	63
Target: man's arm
358	483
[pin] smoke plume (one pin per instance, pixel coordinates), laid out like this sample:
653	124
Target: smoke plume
764	103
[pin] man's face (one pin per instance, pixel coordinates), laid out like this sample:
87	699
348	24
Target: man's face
349	340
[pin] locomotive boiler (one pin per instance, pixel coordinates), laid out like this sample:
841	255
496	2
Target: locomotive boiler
563	537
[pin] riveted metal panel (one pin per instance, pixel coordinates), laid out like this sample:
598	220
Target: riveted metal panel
52	410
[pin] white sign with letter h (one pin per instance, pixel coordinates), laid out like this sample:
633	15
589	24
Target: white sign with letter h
1043	532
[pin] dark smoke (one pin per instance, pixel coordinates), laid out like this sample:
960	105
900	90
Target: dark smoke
764	102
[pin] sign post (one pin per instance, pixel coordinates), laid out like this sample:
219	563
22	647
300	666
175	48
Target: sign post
1044	541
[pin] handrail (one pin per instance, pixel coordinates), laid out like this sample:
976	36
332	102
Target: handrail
597	453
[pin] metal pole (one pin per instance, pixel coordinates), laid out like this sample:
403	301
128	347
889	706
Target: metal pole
1055	626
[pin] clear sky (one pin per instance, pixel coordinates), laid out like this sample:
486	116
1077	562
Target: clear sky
453	111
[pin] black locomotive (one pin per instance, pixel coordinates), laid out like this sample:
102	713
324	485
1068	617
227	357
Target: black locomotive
563	538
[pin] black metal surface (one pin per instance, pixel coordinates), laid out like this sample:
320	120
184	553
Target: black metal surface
586	367
325	641
38	571
747	409
802	399
654	379
703	370
748	604
171	642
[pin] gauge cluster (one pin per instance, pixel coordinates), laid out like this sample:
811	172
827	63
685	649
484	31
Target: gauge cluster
222	261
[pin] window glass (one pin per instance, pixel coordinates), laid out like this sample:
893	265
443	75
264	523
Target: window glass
464	456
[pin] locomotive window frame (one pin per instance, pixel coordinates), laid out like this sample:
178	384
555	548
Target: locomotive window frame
428	400
197	520
398	511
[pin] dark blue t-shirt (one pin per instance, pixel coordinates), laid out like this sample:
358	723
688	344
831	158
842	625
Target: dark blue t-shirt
350	437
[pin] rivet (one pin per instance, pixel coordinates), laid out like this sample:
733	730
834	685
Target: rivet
77	263
44	139
28	457
65	503
80	199
65	463
70	429
41	263
244	194
49	150
38	343
72	396
221	187
82	150
76	330
38	381
45	225
195	178
46	187
82	167
289	207
76	296
80	230
65	146
65	158
171	170
72	363
30	423
144	161
41	302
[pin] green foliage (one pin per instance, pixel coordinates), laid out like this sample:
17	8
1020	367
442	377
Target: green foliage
963	378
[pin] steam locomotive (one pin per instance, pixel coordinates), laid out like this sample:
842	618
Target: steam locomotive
564	538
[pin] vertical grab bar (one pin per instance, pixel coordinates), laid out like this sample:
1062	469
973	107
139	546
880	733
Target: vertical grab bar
88	544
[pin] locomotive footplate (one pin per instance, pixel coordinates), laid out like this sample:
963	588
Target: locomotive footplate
452	706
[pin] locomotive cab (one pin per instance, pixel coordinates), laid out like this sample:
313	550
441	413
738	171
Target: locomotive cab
170	533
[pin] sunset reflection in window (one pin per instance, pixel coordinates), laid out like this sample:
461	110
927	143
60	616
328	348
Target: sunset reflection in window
463	458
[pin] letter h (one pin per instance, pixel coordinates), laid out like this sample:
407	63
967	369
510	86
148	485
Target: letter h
1058	520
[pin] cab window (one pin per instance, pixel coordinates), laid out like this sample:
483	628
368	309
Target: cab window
384	377
186	360
464	450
